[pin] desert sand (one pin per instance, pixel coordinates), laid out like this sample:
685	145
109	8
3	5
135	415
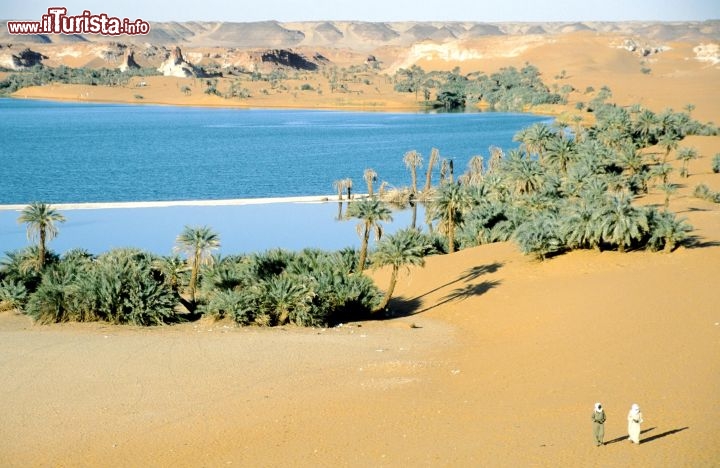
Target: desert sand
493	360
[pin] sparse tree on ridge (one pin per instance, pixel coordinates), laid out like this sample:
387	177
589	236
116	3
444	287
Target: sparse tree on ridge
668	142
686	154
40	219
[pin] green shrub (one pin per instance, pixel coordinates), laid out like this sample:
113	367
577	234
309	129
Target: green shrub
120	286
13	295
703	192
716	163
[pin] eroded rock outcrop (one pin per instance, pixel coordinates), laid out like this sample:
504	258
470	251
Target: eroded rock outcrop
22	60
176	65
129	62
288	58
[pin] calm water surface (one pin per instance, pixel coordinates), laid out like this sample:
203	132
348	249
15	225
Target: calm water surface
68	152
71	152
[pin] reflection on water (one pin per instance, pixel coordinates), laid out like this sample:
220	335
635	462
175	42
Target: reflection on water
242	229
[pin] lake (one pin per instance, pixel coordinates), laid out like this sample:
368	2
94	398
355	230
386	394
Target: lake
77	153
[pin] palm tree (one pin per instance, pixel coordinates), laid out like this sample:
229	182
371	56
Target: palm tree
579	225
173	268
434	155
413	161
370	177
667	230
578	130
339	185
474	175
559	153
539	235
198	244
402	249
526	173
646	127
620	223
535	139
370	211
451	201
40	219
661	172
668	142
668	189
288	299
686	154
496	158
348	184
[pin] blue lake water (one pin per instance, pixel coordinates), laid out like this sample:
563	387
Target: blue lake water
242	229
74	152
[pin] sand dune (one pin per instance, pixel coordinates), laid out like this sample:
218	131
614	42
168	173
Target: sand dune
500	367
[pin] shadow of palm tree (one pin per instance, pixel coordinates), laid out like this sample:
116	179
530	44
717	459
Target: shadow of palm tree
695	242
404	307
625	437
663	434
401	307
469	275
465	292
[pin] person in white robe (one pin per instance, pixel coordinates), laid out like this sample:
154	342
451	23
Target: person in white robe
634	418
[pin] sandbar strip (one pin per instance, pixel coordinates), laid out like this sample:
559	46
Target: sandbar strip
170	203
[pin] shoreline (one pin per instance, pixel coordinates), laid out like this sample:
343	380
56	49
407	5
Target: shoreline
172	203
554	111
229	105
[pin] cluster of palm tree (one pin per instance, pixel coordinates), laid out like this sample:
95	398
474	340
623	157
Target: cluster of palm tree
563	190
508	89
131	286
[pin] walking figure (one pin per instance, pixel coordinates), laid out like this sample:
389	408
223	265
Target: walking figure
634	420
598	419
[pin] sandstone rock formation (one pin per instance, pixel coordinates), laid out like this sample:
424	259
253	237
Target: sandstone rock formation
176	65
23	60
289	59
128	62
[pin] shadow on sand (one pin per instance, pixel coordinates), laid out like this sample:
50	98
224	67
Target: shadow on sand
651	438
663	434
696	242
625	437
403	307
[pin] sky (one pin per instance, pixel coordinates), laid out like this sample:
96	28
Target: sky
376	10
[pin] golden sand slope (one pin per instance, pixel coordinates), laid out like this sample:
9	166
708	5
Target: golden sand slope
500	366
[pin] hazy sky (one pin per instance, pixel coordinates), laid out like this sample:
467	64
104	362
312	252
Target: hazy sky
376	10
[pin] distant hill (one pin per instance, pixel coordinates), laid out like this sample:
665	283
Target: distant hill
358	35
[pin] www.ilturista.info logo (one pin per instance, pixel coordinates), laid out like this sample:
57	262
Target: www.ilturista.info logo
58	22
